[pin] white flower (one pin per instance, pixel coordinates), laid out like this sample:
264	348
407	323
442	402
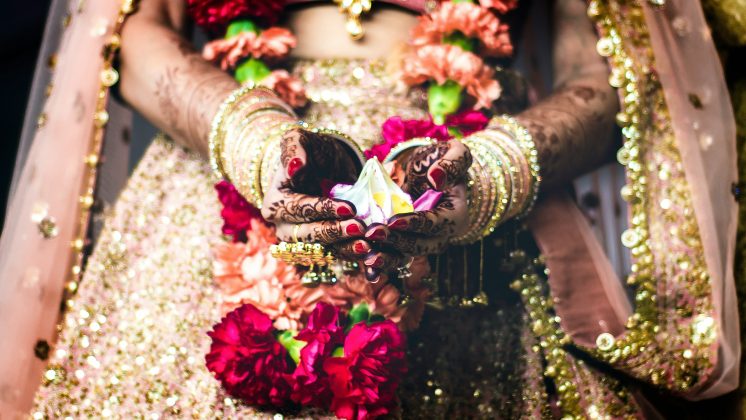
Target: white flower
375	195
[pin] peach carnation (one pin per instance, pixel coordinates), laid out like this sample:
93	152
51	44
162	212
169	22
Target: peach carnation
247	273
468	18
449	62
288	88
501	6
271	43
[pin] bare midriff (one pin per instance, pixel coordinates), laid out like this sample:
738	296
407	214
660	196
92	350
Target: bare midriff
320	30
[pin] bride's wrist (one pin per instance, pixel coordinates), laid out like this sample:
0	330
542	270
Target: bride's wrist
247	124
504	178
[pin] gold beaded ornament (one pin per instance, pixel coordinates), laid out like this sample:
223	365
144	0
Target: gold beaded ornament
353	10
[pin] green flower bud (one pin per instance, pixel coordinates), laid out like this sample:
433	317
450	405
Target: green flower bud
251	70
292	345
458	39
443	100
238	26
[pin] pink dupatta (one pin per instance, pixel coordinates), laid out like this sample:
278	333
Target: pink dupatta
589	297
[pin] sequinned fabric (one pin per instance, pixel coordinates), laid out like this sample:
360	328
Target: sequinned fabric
133	340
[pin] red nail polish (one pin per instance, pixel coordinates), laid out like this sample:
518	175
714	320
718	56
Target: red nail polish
294	165
399	224
344	211
439	176
360	248
353	229
377	262
377	235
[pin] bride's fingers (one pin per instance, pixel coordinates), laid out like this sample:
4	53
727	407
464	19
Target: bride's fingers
410	244
352	249
382	261
451	168
292	154
301	208
446	219
328	232
428	223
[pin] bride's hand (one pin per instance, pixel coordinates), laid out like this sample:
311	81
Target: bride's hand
443	167
294	202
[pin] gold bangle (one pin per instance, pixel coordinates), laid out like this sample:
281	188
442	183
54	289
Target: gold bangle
217	134
525	141
492	177
406	145
340	137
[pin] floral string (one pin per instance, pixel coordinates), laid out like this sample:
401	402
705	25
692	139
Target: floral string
337	347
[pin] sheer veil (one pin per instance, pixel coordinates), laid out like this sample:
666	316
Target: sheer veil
51	194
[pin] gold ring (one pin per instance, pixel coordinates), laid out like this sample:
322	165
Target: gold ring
295	232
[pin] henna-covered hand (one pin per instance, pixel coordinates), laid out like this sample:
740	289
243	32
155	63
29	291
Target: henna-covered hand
442	166
295	197
437	166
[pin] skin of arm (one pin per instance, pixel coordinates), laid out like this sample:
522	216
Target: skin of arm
165	79
572	128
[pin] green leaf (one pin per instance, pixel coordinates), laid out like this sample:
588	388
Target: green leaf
359	313
293	346
242	25
376	318
338	352
462	1
443	100
251	70
455	132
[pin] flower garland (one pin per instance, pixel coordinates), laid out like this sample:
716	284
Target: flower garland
338	347
351	365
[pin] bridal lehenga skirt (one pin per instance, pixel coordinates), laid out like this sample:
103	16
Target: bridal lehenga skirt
133	340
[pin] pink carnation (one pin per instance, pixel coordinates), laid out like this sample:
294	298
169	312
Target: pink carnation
396	130
271	43
215	15
237	213
247	359
449	62
468	18
364	381
322	335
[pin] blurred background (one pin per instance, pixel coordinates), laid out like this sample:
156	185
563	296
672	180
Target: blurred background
21	31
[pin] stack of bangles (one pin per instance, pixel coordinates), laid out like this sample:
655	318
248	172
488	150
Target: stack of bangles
504	177
244	145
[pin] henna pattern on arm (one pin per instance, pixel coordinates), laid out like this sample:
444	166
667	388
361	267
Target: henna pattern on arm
165	79
572	128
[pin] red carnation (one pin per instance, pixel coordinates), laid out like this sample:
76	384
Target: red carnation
322	335
215	15
237	213
248	360
396	130
365	379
